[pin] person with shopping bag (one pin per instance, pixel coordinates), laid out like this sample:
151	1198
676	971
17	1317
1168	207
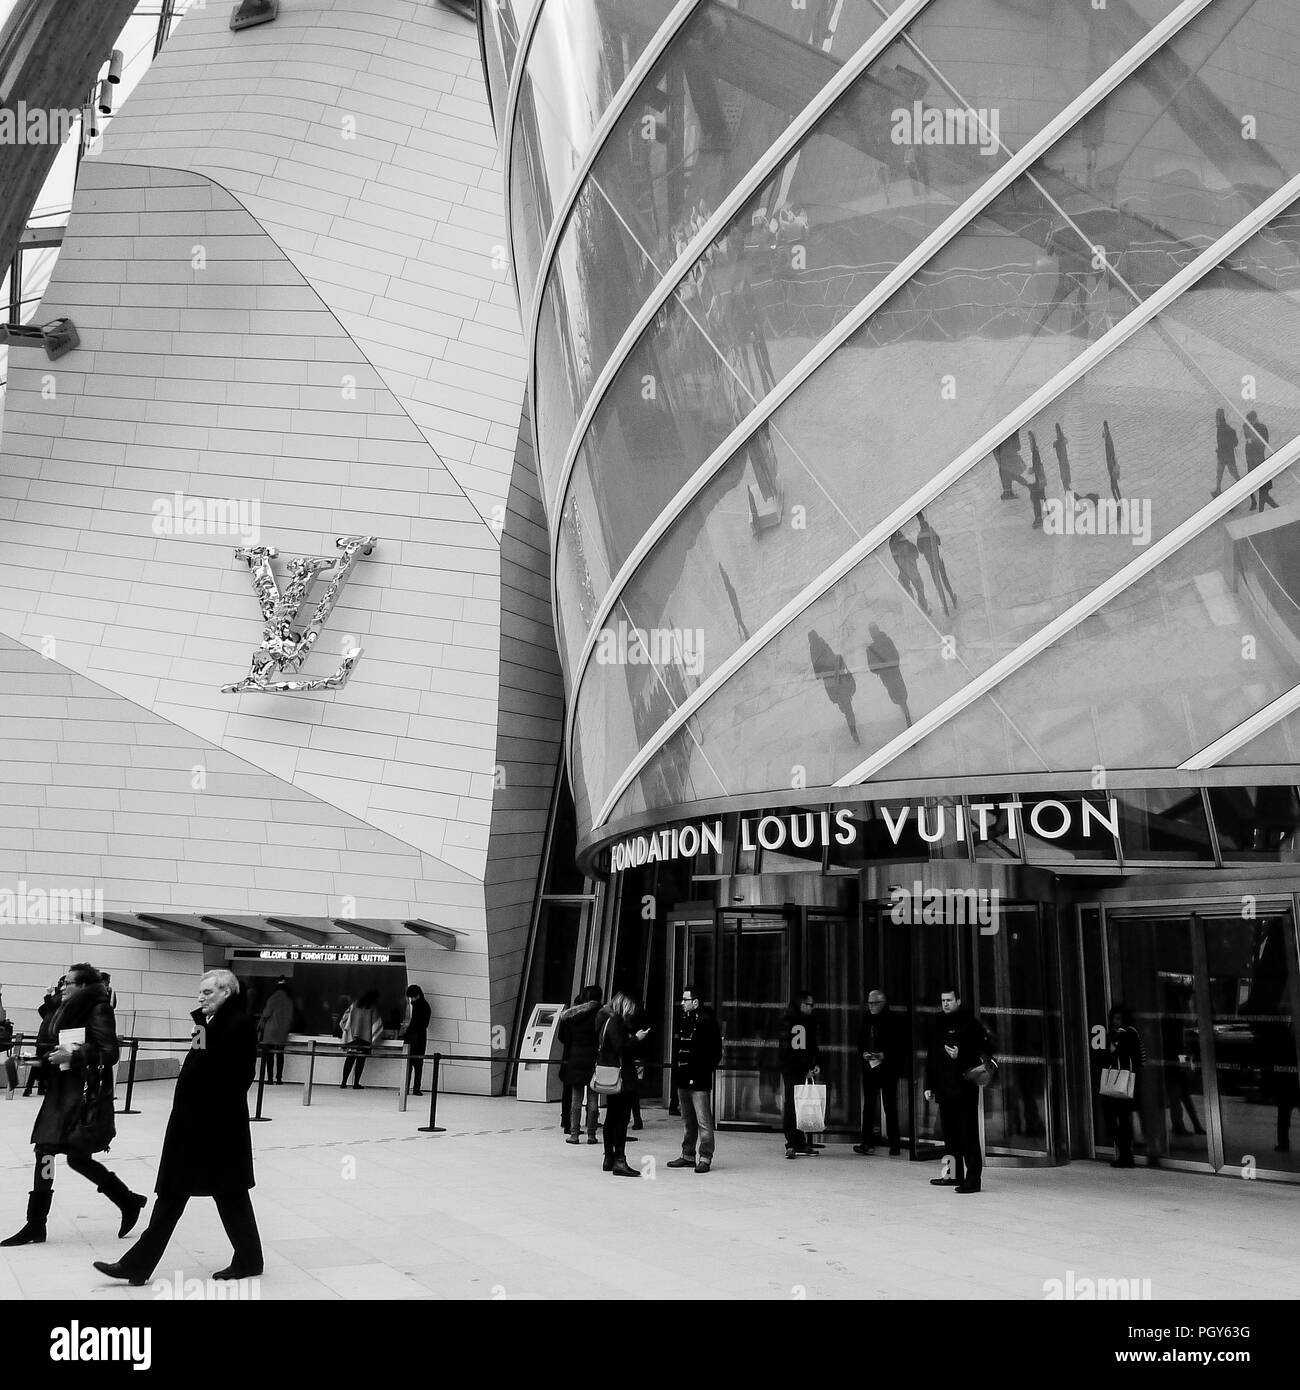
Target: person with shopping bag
1120	1081
959	1051
800	1061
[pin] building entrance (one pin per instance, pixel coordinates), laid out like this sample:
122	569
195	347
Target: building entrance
1214	997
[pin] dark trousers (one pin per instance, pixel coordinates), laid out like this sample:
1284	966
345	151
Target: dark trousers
359	1060
959	1113
1119	1116
618	1111
272	1059
43	1178
415	1067
878	1085
794	1138
566	1105
236	1212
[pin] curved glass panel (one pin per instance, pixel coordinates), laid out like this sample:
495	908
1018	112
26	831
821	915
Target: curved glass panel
988	571
734	78
495	43
720	345
906	393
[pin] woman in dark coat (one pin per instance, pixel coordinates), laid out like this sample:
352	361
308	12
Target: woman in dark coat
831	669
577	1034
207	1151
417	1035
617	1046
1123	1050
273	1031
76	1116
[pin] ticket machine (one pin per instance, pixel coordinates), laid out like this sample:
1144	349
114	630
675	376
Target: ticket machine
540	1046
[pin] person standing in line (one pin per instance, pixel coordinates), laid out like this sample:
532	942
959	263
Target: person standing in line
616	1046
1123	1050
77	1046
6	1048
1062	447
799	1058
697	1050
1112	461
905	553
362	1028
928	543
273	1031
416	1035
883	662
577	1035
1256	432
959	1043
883	1050
830	668
1037	482
207	1150
1225	450
107	981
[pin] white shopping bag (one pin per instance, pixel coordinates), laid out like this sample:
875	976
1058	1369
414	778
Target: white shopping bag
810	1108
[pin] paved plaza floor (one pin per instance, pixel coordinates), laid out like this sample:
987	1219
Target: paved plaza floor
355	1203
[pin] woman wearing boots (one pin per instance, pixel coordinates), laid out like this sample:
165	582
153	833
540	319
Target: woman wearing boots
73	1070
616	1046
362	1028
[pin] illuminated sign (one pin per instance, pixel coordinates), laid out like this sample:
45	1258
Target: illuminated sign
320	955
1046	819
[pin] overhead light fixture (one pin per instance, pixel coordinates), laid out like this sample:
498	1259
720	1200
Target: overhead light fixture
58	337
115	67
105	99
250	12
90	121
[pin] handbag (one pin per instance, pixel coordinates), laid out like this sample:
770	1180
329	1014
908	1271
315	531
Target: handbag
606	1080
810	1108
984	1073
1117	1083
91	1127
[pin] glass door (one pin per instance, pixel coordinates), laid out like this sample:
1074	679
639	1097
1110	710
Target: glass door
832	969
754	989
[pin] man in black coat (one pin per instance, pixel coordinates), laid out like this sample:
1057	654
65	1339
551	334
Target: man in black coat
959	1043
417	1035
207	1151
697	1050
883	1049
800	1058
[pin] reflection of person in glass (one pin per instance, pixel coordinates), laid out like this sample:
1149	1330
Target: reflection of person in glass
1112	462
749	329
1062	447
1038	483
734	600
1225	450
1123	1051
1011	466
1173	1034
830	668
883	662
905	555
1256	432
928	542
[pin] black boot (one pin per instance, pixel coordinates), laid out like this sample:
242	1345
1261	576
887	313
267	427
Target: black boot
120	1271
38	1208
129	1203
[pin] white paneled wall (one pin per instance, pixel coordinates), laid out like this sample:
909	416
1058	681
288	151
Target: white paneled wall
274	312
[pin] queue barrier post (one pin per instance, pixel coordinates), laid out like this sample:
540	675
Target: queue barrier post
130	1077
405	1081
259	1118
311	1073
433	1127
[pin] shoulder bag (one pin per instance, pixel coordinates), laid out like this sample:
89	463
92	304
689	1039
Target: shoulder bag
91	1127
606	1080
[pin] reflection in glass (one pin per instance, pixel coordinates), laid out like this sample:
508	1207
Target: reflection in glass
1165	824
1256	823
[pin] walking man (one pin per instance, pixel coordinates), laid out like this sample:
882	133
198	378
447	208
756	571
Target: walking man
1112	461
959	1044
697	1050
882	1049
1256	433
207	1151
928	542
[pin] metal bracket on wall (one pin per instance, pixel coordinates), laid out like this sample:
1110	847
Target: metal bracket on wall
57	337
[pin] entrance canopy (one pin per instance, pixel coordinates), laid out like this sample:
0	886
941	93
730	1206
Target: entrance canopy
389	934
